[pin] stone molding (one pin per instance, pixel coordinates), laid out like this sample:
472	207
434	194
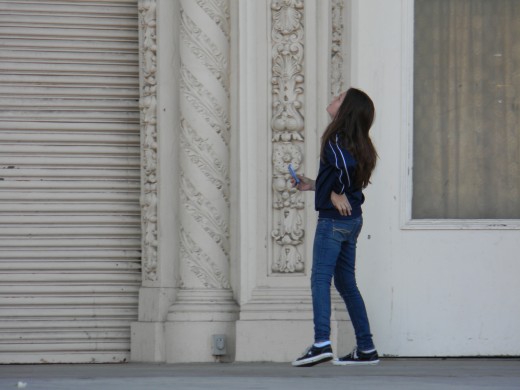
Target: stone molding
337	84
149	138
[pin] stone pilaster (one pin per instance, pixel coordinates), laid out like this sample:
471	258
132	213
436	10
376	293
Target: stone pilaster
276	312
158	217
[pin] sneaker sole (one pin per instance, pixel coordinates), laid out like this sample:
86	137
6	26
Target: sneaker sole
358	363
325	357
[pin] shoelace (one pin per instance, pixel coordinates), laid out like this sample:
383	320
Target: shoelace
353	354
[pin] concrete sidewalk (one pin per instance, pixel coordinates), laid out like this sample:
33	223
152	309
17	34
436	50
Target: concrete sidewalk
402	374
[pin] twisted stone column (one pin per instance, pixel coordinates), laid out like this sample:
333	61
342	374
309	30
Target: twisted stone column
205	130
205	299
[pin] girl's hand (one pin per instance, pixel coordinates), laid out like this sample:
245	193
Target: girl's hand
341	203
306	184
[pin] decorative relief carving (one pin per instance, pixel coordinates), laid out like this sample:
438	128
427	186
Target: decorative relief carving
206	105
285	195
336	63
287	71
287	125
205	138
206	269
206	215
203	156
148	107
289	261
218	11
205	50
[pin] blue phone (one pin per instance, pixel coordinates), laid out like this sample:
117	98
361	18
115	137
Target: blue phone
293	174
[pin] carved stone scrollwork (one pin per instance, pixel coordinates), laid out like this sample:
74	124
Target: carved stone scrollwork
287	71
205	268
287	125
336	63
285	195
148	107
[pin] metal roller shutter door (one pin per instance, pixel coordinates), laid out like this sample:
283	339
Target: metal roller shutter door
69	180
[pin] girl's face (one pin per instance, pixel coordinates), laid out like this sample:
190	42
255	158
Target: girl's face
334	105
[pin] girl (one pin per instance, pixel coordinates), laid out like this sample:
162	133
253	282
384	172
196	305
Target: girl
348	158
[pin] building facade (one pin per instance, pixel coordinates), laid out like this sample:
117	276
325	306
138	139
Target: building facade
147	212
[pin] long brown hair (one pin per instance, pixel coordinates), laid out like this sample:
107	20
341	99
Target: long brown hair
352	124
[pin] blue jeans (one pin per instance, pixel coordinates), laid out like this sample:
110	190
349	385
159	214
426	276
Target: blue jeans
334	254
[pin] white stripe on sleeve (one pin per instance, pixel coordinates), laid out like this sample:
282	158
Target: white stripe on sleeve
344	160
337	166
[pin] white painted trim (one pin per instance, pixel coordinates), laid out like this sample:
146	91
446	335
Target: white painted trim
407	112
462	224
406	177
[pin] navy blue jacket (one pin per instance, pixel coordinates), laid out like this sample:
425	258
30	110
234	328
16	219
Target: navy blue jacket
336	174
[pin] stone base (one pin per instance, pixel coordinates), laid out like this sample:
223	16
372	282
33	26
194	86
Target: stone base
192	341
147	342
284	340
193	319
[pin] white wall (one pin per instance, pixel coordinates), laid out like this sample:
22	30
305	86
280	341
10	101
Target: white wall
429	292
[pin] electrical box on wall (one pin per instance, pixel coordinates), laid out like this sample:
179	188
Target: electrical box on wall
218	346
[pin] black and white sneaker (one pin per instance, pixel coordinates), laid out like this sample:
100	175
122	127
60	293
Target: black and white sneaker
357	357
314	355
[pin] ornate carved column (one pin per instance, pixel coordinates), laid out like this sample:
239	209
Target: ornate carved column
205	304
205	131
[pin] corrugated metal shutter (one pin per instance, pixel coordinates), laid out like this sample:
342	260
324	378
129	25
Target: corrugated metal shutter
69	180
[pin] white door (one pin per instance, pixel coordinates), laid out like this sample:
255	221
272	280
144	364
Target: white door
69	180
439	285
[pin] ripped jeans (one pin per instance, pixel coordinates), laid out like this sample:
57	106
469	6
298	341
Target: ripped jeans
334	255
